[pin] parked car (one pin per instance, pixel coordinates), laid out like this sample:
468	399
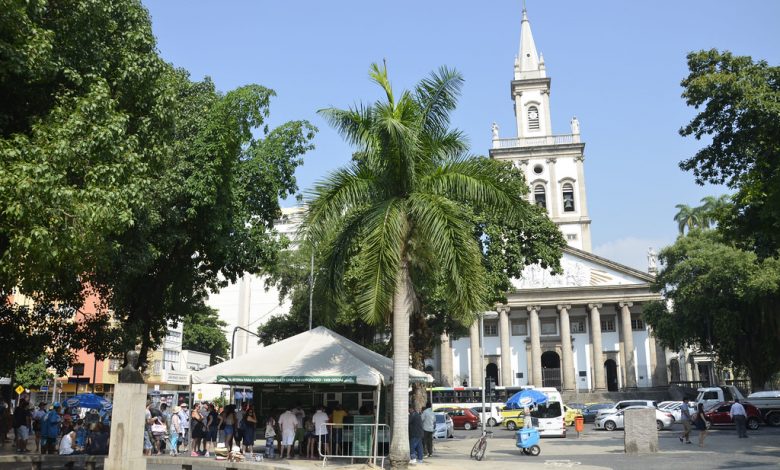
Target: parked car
675	408
591	410
461	417
512	418
621	405
491	414
719	415
610	422
444	426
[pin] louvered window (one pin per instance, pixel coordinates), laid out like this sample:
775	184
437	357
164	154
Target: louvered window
533	118
540	198
568	198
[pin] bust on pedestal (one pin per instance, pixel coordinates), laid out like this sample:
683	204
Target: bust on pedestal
127	419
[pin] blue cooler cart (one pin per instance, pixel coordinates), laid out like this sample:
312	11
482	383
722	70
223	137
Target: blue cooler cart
528	441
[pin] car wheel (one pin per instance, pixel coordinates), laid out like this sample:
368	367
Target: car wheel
659	425
511	425
773	419
752	424
491	422
467	426
610	426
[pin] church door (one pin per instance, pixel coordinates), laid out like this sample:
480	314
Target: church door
674	369
491	371
551	370
612	376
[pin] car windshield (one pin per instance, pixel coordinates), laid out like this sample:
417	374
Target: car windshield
440	418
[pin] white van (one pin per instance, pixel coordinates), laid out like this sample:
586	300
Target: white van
549	417
491	414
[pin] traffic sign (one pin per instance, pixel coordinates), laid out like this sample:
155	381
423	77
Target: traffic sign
19	389
44	388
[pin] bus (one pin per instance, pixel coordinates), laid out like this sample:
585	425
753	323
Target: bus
457	396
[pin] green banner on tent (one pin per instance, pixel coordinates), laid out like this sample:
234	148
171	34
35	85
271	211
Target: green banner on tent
297	379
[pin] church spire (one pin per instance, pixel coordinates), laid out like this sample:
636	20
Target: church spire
527	65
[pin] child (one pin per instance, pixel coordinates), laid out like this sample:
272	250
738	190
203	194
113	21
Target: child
270	433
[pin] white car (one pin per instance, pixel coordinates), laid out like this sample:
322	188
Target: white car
621	405
610	422
444	426
676	410
491	414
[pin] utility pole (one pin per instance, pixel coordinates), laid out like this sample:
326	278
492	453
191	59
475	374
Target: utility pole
311	287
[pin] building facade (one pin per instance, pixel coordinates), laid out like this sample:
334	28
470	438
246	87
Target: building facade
582	330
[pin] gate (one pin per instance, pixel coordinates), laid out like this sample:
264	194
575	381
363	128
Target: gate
551	377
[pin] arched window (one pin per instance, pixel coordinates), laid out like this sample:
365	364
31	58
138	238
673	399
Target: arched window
568	197
533	118
540	198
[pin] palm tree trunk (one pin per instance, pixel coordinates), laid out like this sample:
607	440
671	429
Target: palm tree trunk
402	306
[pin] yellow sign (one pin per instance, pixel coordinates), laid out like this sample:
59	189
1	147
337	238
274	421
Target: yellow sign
200	396
99	388
19	389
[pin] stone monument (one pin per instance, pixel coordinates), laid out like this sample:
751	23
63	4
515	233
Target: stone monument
641	435
127	419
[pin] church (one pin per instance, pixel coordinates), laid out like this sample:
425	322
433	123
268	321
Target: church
582	330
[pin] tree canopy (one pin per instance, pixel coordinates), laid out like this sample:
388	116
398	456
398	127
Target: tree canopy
739	103
722	299
205	332
120	176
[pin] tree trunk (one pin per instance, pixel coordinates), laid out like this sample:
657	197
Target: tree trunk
402	306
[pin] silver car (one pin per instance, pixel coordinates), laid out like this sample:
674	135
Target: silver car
444	426
610	422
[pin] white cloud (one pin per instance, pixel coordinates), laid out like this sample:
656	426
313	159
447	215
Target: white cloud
631	251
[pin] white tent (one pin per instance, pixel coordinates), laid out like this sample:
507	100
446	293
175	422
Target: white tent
316	356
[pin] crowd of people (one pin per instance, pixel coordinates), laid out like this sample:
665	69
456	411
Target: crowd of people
54	429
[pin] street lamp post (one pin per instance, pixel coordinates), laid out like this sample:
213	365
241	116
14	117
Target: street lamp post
233	352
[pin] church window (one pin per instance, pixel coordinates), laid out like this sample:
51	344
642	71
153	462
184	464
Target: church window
637	324
533	118
568	197
540	198
519	328
607	324
491	328
549	326
578	325
571	237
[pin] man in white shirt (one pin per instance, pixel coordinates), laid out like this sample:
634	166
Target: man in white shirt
320	430
66	444
289	423
740	418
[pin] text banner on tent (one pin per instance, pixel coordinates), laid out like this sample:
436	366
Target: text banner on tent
297	379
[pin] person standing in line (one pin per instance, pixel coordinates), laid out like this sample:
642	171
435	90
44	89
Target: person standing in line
184	417
227	421
739	416
700	421
320	419
337	418
288	423
212	423
429	425
50	429
22	426
175	431
250	426
300	432
270	435
685	419
415	436
37	418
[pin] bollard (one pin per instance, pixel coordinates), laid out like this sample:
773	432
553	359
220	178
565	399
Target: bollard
579	424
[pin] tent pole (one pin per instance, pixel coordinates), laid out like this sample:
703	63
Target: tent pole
189	430
376	420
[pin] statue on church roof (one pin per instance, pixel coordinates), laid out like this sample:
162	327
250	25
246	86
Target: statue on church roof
494	127
575	125
652	260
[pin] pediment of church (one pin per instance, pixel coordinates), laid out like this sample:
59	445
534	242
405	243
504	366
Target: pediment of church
581	269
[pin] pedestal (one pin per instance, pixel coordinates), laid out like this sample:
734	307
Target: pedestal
126	450
641	434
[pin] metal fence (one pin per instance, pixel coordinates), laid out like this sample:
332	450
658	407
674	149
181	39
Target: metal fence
355	441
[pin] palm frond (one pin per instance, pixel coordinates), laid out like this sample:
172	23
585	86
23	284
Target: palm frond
382	247
379	76
354	124
438	96
445	226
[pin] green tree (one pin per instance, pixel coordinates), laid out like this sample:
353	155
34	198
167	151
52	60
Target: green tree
205	332
405	202
33	374
120	176
722	299
687	217
740	98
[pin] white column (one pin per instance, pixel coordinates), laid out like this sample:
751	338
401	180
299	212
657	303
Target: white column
475	375
628	342
569	381
554	196
506	353
583	203
445	360
536	345
600	382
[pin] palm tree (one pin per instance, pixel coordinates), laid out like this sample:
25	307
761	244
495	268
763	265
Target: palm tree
404	203
711	207
687	217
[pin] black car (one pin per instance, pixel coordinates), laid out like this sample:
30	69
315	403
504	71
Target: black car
590	411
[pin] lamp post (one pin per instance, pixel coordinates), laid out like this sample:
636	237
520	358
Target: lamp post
482	364
233	352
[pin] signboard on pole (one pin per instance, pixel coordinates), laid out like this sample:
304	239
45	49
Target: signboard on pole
19	389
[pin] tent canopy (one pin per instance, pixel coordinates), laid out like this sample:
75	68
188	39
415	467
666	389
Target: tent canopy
316	356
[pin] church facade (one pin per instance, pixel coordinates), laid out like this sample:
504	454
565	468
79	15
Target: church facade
583	329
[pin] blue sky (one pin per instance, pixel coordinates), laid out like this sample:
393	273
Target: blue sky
615	64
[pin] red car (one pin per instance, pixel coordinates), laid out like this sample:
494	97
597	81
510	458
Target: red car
461	417
719	415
